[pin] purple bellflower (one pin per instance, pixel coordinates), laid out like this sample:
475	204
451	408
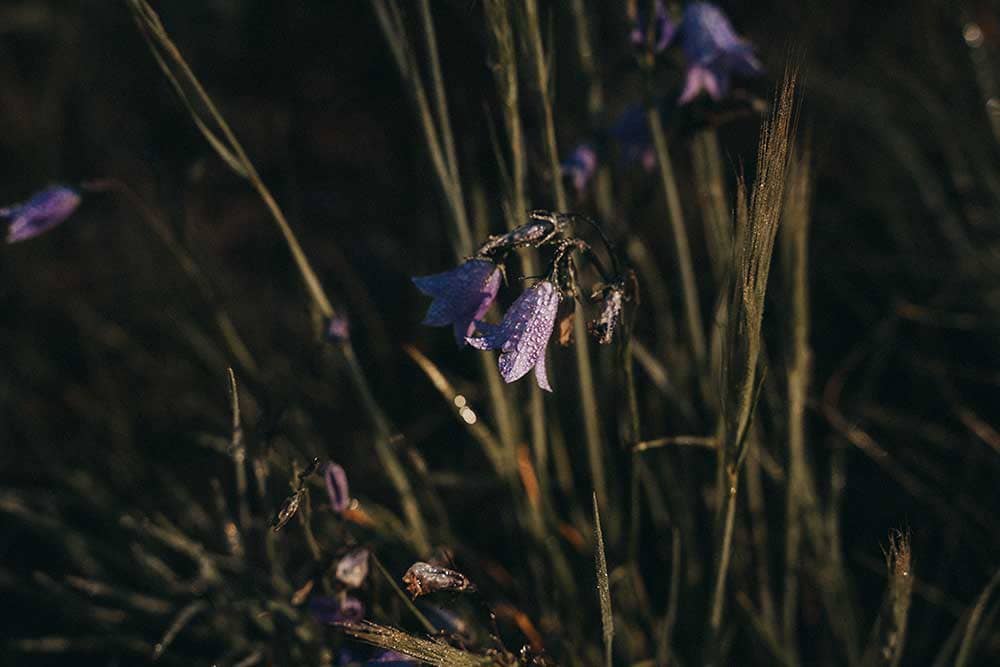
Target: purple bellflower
42	212
461	296
635	142
663	28
336	487
392	658
580	166
714	52
523	335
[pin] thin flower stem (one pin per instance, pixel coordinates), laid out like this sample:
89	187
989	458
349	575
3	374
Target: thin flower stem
440	96
707	441
428	626
722	568
794	235
506	75
588	398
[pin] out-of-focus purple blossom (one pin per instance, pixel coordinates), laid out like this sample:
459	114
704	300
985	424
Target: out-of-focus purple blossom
352	569
338	328
523	335
714	52
461	296
336	487
393	659
448	620
663	28
630	132
342	608
42	212
580	166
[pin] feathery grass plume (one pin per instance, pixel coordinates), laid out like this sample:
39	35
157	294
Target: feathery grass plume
740	382
434	652
885	648
603	586
756	228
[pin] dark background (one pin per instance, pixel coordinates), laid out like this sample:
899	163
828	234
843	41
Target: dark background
103	361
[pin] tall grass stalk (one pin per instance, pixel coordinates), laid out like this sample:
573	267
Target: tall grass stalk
540	64
756	228
685	267
501	30
710	183
437	140
795	255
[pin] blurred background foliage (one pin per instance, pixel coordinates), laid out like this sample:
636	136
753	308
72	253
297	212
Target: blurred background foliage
113	385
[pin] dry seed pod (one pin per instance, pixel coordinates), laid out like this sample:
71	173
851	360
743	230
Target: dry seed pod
423	578
287	511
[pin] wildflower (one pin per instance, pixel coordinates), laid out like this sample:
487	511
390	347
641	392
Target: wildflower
611	296
42	212
714	52
461	296
580	166
393	658
631	132
352	569
336	487
523	335
424	578
662	28
331	610
338	329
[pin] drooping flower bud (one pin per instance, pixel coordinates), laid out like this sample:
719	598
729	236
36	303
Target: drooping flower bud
336	487
43	211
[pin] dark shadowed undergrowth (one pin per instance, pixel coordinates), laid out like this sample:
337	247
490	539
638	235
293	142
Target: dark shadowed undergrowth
711	370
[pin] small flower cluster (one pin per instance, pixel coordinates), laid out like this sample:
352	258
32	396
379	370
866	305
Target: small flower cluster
463	295
712	49
351	569
713	52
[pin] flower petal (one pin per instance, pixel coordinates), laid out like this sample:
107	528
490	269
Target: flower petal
527	328
541	374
